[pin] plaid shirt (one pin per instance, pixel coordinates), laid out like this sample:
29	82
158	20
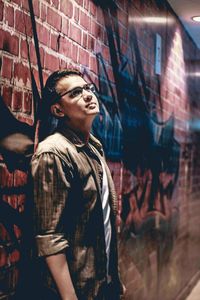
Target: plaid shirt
68	212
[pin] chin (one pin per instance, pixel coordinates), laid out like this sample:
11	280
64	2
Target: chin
94	111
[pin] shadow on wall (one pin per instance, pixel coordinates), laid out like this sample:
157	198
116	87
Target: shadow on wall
16	147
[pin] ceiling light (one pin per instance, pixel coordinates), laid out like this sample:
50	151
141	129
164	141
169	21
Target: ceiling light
151	20
193	74
196	18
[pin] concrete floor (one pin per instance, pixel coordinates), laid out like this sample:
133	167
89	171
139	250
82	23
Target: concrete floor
195	293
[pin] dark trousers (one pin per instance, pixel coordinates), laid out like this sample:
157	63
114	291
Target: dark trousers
108	292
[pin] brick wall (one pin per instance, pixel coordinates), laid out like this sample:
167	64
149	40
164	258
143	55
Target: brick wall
115	47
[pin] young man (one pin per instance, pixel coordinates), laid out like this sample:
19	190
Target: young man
75	202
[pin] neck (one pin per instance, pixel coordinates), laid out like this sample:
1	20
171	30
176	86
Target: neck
82	129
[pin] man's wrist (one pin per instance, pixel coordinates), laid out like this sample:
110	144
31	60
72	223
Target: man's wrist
71	296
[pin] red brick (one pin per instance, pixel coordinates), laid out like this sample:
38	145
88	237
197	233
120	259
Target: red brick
122	32
65	47
3	233
76	14
20	178
54	19
6	178
21	74
9	15
84	20
97	30
74	53
91	43
67	8
1	10
9	43
93	65
17	230
25	119
14	256
96	82
124	48
55	3
7	67
17	1
51	62
3	257
93	28
23	49
65	25
21	202
80	2
23	23
43	34
100	16
45	76
63	64
33	57
93	8
55	40
7	95
17	100
86	4
43	13
36	76
25	5
84	40
83	57
27	107
110	74
75	33
36	7
106	53
11	200
122	17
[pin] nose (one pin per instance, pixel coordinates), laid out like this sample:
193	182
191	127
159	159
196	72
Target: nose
87	96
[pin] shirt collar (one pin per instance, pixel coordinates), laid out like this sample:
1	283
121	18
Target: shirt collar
75	139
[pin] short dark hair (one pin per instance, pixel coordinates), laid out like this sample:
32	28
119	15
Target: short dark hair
49	97
50	93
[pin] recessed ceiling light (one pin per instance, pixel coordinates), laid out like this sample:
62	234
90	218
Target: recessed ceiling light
196	18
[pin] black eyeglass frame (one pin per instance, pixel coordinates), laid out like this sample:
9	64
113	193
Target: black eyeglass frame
91	86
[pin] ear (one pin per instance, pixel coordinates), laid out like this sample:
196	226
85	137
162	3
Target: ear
56	110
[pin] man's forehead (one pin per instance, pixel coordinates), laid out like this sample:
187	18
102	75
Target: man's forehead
69	82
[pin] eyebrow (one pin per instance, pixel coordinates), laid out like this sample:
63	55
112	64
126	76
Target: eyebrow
72	89
67	92
87	83
64	93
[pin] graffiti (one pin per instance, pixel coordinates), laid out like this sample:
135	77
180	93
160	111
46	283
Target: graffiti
149	188
135	136
131	132
16	140
16	146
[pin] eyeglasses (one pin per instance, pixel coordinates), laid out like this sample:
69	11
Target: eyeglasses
78	91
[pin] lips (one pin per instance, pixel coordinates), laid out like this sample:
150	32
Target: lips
91	104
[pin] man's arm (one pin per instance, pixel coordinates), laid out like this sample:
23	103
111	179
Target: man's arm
50	195
58	267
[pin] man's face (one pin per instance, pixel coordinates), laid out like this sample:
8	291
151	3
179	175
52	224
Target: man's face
78	104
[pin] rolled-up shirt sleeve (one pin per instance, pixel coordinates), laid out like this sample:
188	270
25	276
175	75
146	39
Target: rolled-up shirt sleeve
51	188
